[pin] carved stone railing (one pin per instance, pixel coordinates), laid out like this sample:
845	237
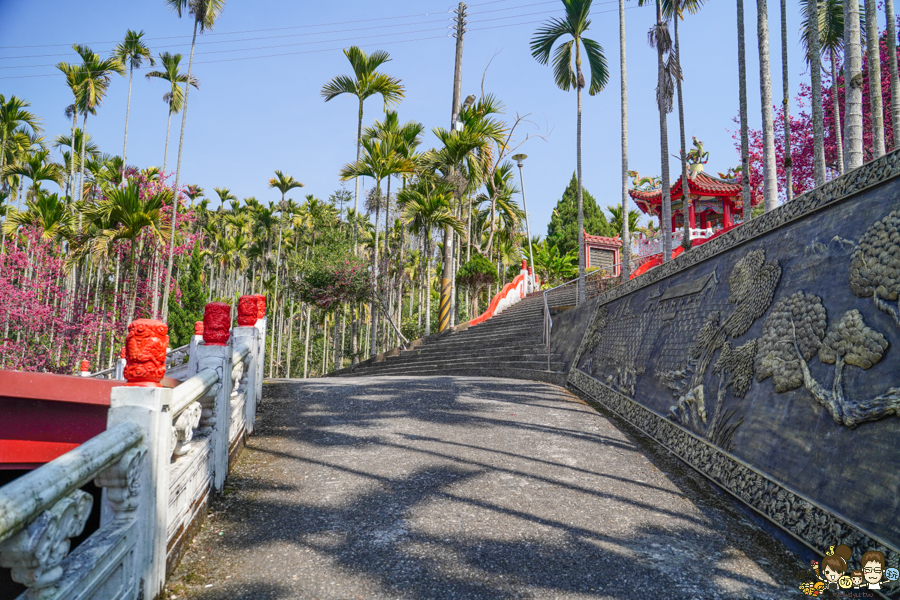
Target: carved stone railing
163	453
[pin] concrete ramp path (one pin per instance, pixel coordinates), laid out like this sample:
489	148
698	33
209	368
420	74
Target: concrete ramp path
461	487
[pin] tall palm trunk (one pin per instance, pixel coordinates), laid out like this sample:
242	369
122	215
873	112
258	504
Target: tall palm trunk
356	195
166	156
666	215
786	105
853	121
127	112
815	67
70	186
835	93
428	284
770	177
373	344
891	39
685	180
306	344
184	109
626	234
873	49
81	166
578	85
745	141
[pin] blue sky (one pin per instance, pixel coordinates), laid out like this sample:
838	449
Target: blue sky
254	115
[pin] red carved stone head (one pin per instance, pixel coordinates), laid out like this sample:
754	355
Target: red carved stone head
261	299
216	324
248	311
198	327
145	352
85	365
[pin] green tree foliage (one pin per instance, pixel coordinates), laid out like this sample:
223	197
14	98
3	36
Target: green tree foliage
333	274
554	267
476	274
562	232
184	313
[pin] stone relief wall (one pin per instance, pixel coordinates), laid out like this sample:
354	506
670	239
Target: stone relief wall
761	353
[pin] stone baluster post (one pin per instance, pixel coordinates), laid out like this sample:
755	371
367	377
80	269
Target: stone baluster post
196	340
139	483
261	353
247	333
215	353
120	365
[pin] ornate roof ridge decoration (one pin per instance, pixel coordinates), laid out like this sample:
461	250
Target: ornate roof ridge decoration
599	239
702	183
832	192
814	525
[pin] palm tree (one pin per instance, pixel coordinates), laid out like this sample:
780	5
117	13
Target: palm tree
786	107
626	233
132	51
94	78
71	157
425	206
891	39
367	82
130	215
873	52
13	116
174	98
575	24
45	211
380	160
674	10
205	13
742	86
770	181
37	168
283	183
853	121
74	77
811	38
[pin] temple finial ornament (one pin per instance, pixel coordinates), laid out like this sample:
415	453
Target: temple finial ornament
248	311
145	353
85	366
216	324
261	299
198	327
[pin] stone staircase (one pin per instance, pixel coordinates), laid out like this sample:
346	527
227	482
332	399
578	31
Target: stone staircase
507	345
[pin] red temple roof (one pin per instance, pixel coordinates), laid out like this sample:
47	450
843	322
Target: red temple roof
600	240
701	184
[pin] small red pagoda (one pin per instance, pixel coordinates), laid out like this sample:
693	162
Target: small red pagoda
714	202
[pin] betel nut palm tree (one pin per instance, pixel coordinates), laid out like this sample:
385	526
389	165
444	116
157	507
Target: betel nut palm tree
770	180
283	183
37	168
365	83
574	25
853	82
132	51
174	98
626	233
666	72
92	84
379	161
13	116
674	10
813	46
205	13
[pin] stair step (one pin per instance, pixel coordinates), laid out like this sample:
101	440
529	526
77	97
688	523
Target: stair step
413	369
556	378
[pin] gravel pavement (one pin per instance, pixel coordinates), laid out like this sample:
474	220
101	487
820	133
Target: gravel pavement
464	487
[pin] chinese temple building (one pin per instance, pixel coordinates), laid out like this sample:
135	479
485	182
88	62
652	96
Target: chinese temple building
715	202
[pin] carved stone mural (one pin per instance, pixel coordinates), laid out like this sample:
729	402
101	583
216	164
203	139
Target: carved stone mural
758	347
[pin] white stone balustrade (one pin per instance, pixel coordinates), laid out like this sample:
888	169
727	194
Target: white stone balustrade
163	452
